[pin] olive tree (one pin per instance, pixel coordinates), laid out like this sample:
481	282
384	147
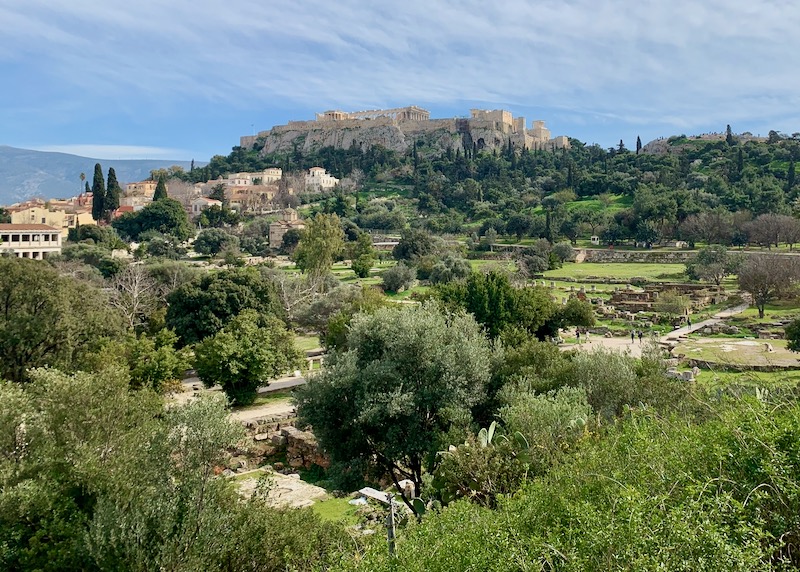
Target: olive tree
767	277
408	377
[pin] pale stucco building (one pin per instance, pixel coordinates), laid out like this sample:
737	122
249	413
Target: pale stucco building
318	179
35	241
57	218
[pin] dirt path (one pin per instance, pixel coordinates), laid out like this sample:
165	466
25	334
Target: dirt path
623	344
277	407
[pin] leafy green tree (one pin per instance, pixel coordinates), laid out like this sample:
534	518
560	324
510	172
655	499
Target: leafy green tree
414	243
767	277
98	193
792	332
218	193
48	320
496	304
490	237
203	306
321	243
671	303
362	255
212	241
161	190
217	216
409	376
450	267
160	245
243	356
95	256
519	224
113	193
99	477
290	240
101	235
399	277
166	216
152	362
713	264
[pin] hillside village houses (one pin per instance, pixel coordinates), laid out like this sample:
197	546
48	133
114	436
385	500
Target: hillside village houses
61	214
278	228
36	241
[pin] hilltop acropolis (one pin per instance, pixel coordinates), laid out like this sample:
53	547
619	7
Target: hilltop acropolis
394	129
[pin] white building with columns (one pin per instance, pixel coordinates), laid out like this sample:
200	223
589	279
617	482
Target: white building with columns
35	241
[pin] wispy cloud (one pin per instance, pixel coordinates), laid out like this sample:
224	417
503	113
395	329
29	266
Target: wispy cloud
682	63
117	152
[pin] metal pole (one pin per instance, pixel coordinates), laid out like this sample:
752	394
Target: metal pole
390	524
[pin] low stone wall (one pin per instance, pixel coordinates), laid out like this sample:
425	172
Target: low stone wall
642	256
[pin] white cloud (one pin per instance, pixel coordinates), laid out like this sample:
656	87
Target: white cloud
682	62
117	152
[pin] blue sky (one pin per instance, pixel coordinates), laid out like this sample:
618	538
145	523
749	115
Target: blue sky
183	79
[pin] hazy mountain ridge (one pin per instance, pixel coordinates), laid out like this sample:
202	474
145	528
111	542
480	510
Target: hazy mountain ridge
25	173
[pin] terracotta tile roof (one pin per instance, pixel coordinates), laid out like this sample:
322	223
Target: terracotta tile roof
12	227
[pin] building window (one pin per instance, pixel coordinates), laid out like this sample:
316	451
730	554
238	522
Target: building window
26	238
54	237
43	220
14	238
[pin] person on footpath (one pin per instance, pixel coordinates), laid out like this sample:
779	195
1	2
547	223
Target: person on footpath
633	335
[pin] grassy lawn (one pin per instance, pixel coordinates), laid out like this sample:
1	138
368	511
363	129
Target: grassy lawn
484	265
619	271
768	379
265	398
305	343
780	309
736	352
338	510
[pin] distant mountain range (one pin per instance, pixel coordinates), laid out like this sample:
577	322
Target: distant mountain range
26	174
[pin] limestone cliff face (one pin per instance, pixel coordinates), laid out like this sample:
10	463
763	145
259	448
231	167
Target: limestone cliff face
435	136
389	136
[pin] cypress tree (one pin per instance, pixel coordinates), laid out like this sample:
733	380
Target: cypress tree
790	176
98	193
161	190
728	135
638	144
113	192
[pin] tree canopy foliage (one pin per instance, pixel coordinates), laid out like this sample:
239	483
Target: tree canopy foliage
203	306
47	319
243	356
408	376
166	216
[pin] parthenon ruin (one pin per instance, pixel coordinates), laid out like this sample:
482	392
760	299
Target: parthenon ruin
410	113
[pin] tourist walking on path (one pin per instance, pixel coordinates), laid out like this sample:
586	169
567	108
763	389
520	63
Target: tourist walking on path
578	336
633	335
640	336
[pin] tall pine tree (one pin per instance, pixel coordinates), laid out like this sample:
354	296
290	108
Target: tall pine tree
638	144
98	193
113	193
161	190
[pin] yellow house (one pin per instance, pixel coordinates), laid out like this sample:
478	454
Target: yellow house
59	218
